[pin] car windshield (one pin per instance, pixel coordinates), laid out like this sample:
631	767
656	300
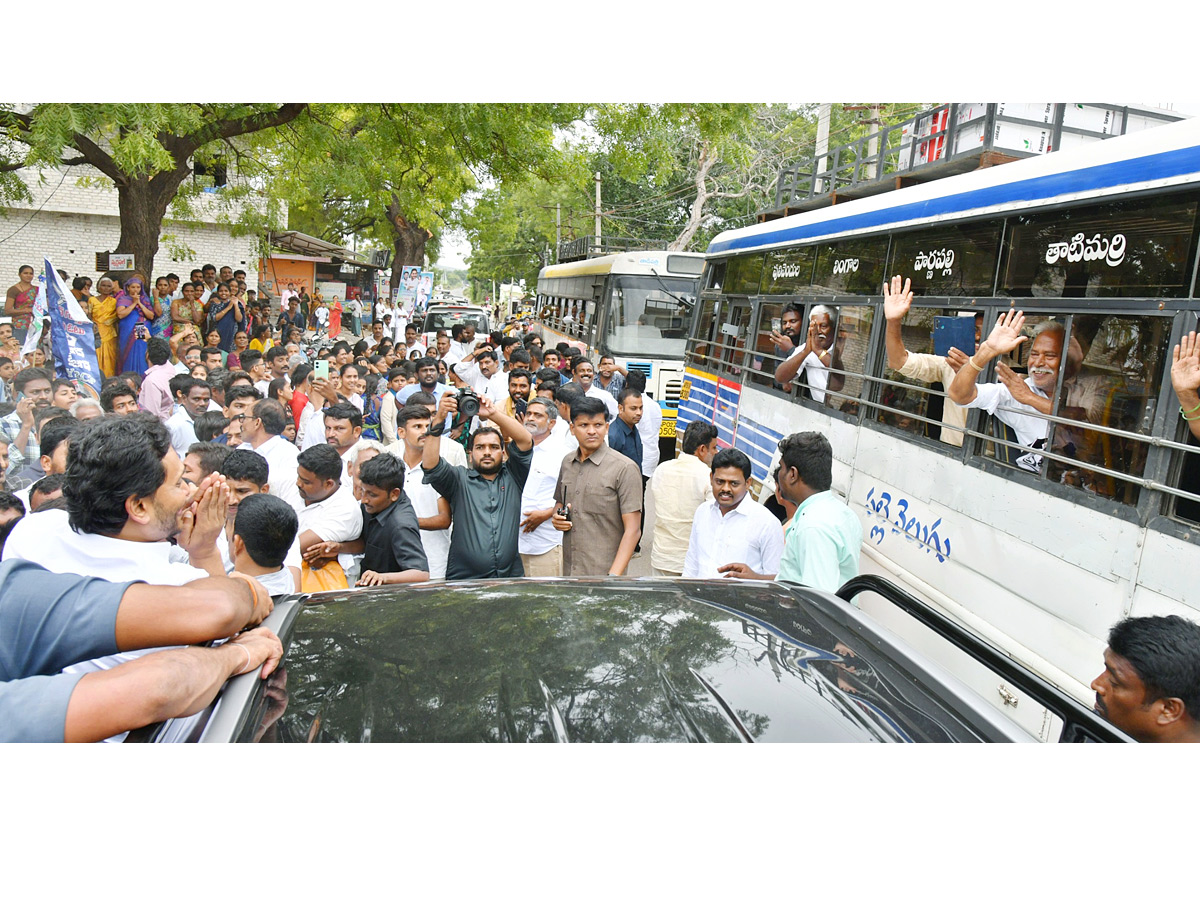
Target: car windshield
439	319
649	316
521	661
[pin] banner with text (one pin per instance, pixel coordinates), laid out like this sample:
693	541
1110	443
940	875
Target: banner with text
72	340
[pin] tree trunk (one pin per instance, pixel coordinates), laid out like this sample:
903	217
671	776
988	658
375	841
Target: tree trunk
143	203
408	242
706	161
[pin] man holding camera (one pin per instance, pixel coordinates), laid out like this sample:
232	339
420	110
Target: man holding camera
485	502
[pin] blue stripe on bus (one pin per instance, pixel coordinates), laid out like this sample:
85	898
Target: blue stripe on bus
1045	187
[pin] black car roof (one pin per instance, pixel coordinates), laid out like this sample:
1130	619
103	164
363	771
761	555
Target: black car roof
604	660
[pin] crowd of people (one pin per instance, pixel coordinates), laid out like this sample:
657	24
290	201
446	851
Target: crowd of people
238	469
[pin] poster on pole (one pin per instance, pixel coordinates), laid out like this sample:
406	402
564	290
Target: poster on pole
424	290
410	278
72	340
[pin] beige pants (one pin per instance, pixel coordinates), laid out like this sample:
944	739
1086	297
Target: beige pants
663	573
543	565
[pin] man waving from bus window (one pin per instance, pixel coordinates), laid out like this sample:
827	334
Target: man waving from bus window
816	356
1010	400
924	366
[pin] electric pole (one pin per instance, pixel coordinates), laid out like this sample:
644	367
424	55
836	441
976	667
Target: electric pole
823	113
597	212
557	228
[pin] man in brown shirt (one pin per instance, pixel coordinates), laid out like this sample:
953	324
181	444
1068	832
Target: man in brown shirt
602	490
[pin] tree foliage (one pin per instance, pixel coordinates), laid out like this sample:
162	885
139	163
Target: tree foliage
396	174
145	150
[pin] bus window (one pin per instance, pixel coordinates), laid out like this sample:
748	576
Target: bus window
905	403
851	267
700	352
765	356
950	261
648	316
1004	424
841	341
788	271
850	353
731	339
714	275
1128	249
743	274
1114	367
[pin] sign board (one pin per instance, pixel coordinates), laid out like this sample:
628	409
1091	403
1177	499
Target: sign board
120	262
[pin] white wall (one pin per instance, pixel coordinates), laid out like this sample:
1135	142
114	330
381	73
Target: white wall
70	222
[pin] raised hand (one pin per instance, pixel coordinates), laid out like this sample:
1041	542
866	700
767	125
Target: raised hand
1006	333
1185	364
896	301
956	358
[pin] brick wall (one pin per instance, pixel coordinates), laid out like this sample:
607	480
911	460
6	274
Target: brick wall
72	221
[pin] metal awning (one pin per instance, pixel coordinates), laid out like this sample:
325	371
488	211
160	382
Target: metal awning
301	243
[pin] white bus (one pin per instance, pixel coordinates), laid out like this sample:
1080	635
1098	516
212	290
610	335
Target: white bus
636	307
1102	240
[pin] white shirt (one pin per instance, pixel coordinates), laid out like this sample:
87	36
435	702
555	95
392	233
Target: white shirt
562	431
281	469
539	494
263	387
336	518
277	583
677	489
648	429
494	388
997	400
46	538
293	560
314	428
818	374
424	499
183	431
602	394
749	534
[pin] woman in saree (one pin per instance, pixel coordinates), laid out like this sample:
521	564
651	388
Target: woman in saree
240	343
335	317
227	316
102	310
163	324
185	310
19	302
134	313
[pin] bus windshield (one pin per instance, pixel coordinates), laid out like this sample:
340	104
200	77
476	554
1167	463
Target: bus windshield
644	319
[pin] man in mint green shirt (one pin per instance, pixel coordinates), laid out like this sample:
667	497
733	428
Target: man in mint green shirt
822	541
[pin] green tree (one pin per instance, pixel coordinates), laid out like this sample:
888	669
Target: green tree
397	174
146	150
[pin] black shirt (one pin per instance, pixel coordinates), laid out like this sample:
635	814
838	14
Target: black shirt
487	516
393	539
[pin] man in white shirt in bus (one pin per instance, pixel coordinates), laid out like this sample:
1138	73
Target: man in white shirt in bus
816	356
1013	397
675	492
731	527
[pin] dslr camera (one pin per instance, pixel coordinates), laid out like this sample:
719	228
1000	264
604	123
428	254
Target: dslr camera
468	403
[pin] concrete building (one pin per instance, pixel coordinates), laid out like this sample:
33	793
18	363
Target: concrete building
74	216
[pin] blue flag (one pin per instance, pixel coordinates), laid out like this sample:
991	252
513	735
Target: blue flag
72	340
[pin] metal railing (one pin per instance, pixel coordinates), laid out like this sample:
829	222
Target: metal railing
586	247
929	140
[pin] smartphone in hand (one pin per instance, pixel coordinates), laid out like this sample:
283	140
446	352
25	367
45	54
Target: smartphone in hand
321	369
